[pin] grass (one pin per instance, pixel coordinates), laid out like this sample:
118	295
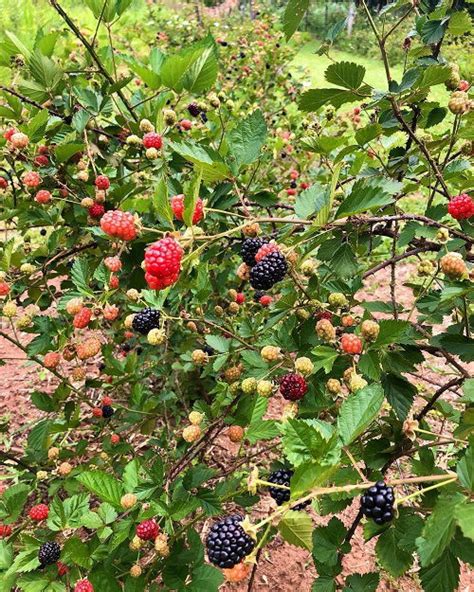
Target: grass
315	66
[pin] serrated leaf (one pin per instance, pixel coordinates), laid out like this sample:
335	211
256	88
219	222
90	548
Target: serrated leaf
314	99
206	159
465	518
358	411
309	439
346	74
433	75
309	475
368	133
439	529
367	195
400	394
247	138
362	582
293	15
395	560
296	528
465	469
442	575
460	23
325	358
264	429
392	331
205	578
191	195
327	542
103	485
311	201
80	276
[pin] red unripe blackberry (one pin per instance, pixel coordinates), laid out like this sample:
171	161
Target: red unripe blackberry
294	174
83	586
186	124
250	248
163	263
177	205
351	344
106	400
102	182
39	512
119	224
148	530
291	191
42	160
293	387
114	282
96	211
240	298
461	207
324	314
62	569
9	133
31	179
97	412
43	196
82	318
152	140
265	300
5	531
265	250
463	85
113	264
4	289
3	183
304	185
114	438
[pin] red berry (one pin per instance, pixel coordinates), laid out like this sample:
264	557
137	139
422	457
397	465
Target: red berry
102	182
163	263
240	298
5	531
115	438
119	224
293	387
43	149
3	183
41	160
43	196
463	85
351	344
9	133
266	300
265	250
83	586
185	124
39	512
96	211
114	282
356	110
82	318
113	264
324	314
461	207
97	412
294	174
4	289
106	400
304	185
152	140
148	530
31	179
177	205
291	191
62	569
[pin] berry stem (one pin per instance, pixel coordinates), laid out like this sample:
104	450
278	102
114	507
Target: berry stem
424	490
269	484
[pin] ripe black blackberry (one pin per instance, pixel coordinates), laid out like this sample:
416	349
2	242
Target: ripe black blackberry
227	543
146	320
107	411
377	503
249	249
49	553
208	350
283	477
268	271
194	109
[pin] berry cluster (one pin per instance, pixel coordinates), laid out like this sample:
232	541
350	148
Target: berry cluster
227	543
148	530
293	387
281	496
268	271
163	263
377	503
146	320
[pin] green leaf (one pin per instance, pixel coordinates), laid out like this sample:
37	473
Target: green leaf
218	343
400	394
325	358
309	475
205	578
346	74
368	133
206	159
390	556
80	276
465	518
439	528
442	575
103	485
161	201
77	551
191	195
6	555
193	69
433	75
392	331
247	138
64	152
293	15
358	411
309	439
68	513
367	582
296	528
460	23
12	502
465	469
314	99
327	542
324	584
367	195
432	31
44	71
311	201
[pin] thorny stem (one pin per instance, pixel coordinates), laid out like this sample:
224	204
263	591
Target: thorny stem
424	490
